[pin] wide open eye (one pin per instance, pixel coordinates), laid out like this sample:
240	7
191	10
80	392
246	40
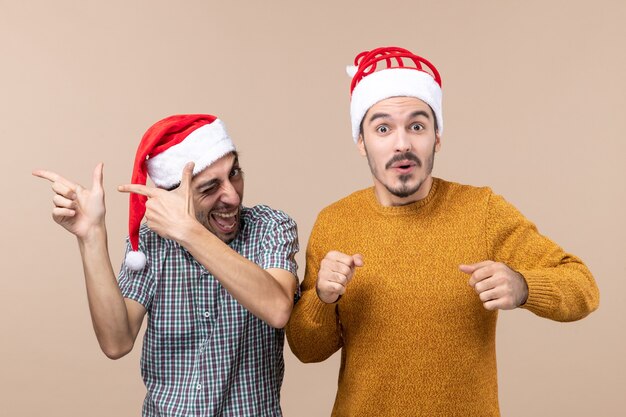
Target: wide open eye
416	127
382	129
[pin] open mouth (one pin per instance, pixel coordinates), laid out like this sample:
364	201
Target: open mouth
403	167
225	221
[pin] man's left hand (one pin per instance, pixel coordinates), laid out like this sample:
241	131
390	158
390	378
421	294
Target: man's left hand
168	213
497	285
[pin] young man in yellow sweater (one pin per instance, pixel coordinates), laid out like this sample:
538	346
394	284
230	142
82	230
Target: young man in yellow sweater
388	267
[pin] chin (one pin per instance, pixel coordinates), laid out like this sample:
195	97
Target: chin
404	190
227	238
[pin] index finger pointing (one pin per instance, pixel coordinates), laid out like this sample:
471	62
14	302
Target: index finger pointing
480	274
471	268
137	189
341	257
52	177
358	260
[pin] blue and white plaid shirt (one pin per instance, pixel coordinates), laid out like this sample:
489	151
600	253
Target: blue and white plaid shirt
203	353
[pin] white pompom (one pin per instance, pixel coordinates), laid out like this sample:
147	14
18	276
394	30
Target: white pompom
351	70
135	260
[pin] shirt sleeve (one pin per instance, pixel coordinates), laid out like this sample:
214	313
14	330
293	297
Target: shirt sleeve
279	246
137	285
560	286
313	331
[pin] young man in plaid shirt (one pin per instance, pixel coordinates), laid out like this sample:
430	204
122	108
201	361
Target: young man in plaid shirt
217	279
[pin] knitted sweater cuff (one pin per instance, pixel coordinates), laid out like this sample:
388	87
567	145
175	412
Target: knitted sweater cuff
318	311
542	295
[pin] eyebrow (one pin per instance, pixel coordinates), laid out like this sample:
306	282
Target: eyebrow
387	116
419	113
378	116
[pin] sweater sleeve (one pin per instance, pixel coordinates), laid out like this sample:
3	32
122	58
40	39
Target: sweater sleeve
560	286
313	331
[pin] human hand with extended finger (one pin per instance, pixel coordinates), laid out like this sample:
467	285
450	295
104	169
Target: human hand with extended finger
336	271
168	213
79	210
497	285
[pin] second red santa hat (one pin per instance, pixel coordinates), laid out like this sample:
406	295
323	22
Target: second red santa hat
392	72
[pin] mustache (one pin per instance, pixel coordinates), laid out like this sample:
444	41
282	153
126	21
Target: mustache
407	156
225	207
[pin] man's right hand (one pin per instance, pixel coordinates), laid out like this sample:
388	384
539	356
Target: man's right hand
336	271
116	320
79	210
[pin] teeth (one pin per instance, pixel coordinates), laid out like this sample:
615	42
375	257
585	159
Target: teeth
226	215
225	220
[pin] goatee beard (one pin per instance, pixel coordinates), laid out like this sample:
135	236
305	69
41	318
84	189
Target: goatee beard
404	191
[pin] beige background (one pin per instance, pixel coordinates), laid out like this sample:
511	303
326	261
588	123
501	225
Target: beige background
534	93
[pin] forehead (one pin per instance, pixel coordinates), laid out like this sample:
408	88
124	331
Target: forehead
216	170
398	107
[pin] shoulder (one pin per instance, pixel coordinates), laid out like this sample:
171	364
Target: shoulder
333	220
462	198
265	224
346	206
262	220
473	199
264	215
451	189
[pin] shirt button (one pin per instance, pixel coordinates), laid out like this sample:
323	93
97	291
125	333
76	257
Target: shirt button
207	314
199	386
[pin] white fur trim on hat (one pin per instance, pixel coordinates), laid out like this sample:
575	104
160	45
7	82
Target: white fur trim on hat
394	82
203	146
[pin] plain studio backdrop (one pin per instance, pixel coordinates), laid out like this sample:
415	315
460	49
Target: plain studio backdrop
532	94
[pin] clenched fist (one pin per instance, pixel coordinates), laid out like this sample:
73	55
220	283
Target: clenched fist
336	271
497	285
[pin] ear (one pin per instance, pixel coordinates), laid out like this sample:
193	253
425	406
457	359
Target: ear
437	141
361	145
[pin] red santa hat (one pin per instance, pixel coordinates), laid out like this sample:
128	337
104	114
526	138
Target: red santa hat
165	149
403	74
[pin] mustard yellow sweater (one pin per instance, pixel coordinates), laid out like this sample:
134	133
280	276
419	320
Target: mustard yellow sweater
415	338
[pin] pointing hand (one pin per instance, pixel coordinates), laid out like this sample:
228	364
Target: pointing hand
168	212
77	209
497	285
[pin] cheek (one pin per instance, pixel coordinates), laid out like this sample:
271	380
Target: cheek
204	206
425	148
378	153
238	186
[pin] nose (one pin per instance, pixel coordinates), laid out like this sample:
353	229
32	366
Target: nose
229	194
402	141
